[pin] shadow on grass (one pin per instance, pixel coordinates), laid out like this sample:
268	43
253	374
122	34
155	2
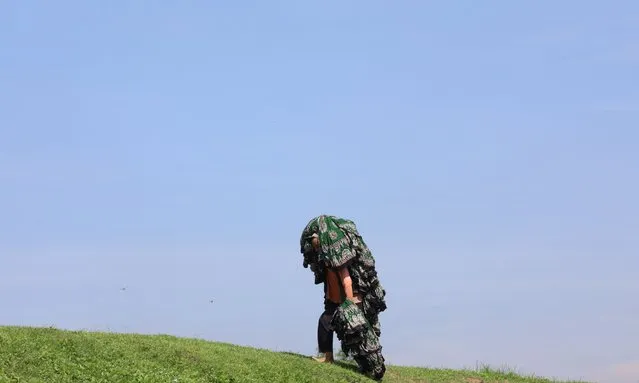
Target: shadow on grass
301	356
347	365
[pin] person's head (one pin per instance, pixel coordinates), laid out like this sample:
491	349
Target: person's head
311	251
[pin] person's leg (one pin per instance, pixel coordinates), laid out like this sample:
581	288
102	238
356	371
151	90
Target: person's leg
325	333
325	337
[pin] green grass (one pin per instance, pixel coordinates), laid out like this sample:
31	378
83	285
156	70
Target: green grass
49	355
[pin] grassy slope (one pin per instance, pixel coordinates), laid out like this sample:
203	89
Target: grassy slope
50	355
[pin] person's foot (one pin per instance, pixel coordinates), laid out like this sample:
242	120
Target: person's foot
327	358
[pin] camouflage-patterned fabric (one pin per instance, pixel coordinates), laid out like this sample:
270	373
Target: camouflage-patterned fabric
336	249
357	326
359	339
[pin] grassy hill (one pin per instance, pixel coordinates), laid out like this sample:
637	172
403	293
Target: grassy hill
49	355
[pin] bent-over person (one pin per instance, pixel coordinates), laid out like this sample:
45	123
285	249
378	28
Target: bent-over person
353	295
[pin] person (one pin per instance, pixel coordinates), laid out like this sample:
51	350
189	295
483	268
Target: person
334	280
353	294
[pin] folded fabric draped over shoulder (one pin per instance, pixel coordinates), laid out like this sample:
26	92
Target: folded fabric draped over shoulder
342	245
339	240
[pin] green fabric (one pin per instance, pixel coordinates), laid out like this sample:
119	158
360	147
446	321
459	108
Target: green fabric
359	339
335	239
372	364
349	319
341	244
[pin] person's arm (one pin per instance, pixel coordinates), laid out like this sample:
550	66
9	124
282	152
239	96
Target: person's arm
344	275
347	282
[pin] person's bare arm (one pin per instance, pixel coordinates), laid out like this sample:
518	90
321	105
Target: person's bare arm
344	275
347	282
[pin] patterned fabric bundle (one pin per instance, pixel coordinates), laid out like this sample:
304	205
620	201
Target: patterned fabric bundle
357	326
359	339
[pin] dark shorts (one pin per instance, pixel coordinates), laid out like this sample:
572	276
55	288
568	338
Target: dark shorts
324	328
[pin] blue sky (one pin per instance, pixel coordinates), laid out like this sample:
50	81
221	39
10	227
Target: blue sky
486	150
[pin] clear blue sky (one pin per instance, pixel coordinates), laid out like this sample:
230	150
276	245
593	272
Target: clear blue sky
488	152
